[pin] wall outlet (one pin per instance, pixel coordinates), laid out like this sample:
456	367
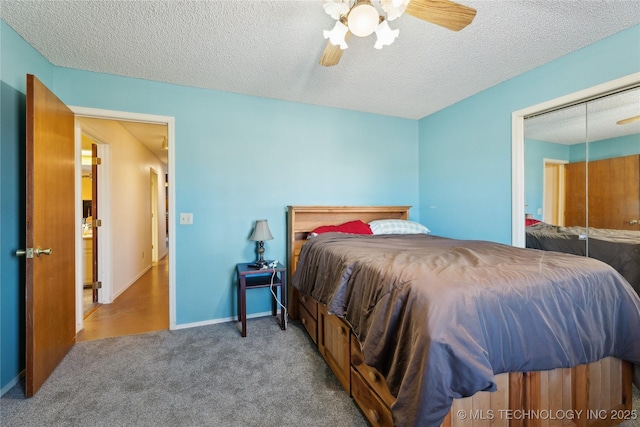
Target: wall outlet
186	218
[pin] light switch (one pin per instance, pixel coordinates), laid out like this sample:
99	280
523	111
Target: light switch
186	218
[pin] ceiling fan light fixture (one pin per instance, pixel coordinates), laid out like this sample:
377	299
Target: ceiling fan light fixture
386	35
164	145
363	18
336	8
394	8
337	35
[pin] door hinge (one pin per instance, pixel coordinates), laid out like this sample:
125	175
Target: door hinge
96	223
95	285
96	161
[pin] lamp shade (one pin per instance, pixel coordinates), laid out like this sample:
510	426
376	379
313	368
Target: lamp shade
261	231
386	35
363	19
337	35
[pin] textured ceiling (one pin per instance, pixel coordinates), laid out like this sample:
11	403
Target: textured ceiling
591	121
271	48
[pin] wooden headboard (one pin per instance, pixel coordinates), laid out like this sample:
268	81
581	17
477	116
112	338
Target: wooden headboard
301	220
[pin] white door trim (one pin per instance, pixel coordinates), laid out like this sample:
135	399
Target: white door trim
136	117
153	177
517	145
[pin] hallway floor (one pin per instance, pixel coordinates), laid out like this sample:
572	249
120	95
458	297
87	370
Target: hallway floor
144	307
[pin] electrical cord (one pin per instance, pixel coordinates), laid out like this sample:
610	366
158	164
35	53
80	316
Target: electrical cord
275	297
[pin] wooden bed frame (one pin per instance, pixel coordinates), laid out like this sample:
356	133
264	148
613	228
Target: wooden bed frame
596	395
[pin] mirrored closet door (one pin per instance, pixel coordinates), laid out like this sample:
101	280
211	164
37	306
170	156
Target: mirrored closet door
582	181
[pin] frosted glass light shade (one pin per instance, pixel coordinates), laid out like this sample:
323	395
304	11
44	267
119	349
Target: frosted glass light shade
394	8
337	35
363	19
386	35
337	8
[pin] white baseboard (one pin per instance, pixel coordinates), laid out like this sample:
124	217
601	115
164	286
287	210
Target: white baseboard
221	320
135	279
11	383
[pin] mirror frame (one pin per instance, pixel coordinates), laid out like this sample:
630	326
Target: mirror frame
517	144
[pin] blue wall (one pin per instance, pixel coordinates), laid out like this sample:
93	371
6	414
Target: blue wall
241	158
465	149
607	148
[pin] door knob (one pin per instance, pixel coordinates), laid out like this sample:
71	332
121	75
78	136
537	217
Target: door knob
39	251
30	252
634	222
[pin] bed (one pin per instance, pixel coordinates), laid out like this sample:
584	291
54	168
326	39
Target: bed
618	248
379	361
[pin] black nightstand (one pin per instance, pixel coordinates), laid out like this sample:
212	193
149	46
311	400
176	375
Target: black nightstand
251	277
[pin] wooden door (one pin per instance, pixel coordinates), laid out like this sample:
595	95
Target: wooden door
575	208
613	189
614	193
50	278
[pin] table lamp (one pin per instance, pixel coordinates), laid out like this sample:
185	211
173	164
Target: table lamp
260	234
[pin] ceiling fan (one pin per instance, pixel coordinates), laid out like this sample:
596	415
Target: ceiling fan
629	120
361	18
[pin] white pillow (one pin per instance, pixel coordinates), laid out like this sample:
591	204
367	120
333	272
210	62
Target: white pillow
397	226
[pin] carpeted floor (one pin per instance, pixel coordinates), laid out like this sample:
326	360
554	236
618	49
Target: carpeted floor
205	376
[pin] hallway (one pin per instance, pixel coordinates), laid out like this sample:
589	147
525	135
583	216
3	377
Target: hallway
144	307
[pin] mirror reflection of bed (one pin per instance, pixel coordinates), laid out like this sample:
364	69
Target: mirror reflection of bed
582	181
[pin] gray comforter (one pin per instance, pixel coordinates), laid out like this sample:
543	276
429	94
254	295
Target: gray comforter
439	317
618	248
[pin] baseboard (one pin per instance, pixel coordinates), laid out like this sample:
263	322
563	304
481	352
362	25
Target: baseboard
221	320
11	383
135	279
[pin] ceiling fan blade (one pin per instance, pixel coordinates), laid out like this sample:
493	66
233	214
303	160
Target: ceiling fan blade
332	53
629	120
444	13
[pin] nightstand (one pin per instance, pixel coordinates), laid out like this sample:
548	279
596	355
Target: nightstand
251	277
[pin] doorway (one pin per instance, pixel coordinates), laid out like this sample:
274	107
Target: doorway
89	199
111	230
553	193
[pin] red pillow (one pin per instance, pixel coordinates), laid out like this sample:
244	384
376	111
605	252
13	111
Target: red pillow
530	221
351	227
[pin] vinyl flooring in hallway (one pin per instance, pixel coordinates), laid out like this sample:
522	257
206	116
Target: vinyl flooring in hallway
143	307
